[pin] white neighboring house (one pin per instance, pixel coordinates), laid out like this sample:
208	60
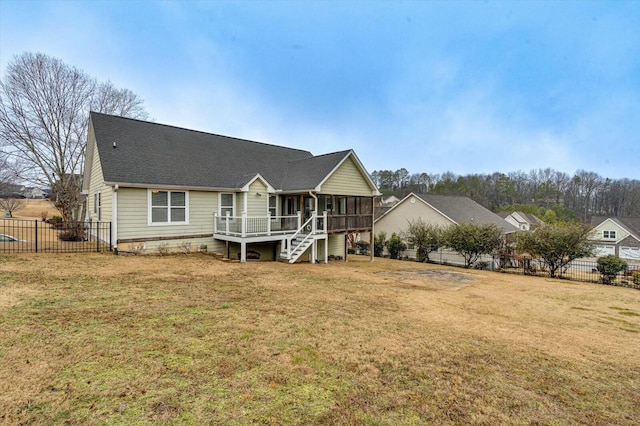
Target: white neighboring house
522	221
35	193
389	200
618	236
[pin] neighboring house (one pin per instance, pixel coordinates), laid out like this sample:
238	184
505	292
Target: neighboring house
442	210
618	236
161	185
389	200
522	221
35	193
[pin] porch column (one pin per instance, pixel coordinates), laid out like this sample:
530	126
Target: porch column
243	252
314	250
244	224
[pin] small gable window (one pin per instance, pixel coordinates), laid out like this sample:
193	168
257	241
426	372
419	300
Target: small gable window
168	207
609	234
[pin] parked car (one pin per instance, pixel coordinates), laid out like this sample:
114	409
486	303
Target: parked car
4	238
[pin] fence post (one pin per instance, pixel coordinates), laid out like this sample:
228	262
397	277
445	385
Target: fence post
36	221
110	239
97	233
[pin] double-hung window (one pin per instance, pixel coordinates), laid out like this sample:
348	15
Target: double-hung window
609	235
273	205
168	207
227	204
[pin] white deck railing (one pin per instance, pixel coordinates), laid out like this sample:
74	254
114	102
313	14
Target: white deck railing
251	226
248	226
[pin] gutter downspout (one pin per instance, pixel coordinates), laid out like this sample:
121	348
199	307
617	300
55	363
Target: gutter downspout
114	219
315	204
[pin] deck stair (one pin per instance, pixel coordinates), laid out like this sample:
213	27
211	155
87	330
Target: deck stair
296	244
299	244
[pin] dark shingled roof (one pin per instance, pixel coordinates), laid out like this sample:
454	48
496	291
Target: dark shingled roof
464	209
156	154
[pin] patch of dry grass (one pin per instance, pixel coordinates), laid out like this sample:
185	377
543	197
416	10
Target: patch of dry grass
34	207
100	339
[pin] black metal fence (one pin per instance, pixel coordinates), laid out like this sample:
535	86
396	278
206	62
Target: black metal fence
577	270
33	236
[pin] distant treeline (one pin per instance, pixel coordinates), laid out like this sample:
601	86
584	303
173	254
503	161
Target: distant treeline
585	193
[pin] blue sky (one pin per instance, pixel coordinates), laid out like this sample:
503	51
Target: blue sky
431	86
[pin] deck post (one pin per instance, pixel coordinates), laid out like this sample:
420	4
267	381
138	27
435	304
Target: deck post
371	238
326	248
243	252
227	223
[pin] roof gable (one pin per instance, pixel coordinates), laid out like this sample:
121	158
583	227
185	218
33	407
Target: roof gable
629	224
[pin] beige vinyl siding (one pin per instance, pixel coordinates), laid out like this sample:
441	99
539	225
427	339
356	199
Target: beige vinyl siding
96	185
397	220
239	204
176	246
257	205
336	245
133	215
609	225
347	180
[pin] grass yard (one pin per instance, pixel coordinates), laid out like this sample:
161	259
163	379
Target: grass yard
102	339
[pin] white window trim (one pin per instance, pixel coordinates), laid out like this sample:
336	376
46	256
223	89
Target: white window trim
169	222
98	207
609	232
276	206
233	200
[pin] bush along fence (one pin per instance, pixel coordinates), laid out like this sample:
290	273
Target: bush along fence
576	270
33	236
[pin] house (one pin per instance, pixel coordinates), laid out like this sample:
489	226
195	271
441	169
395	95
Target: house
10	190
618	236
442	210
164	186
389	200
522	221
35	193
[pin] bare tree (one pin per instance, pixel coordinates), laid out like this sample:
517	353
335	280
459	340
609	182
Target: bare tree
11	205
6	172
108	99
44	110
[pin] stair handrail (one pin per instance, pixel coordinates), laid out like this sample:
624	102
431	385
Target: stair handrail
293	236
